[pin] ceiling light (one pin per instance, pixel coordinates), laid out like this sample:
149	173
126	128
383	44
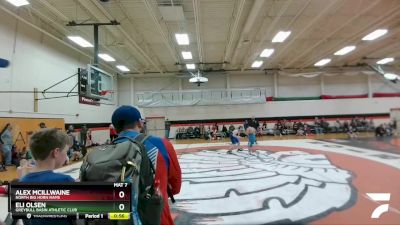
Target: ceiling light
256	64
267	52
182	39
18	3
281	36
190	66
187	55
80	41
123	68
374	35
391	76
106	57
322	62
345	50
385	60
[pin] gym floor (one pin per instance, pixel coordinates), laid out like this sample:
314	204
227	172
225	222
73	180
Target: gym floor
324	179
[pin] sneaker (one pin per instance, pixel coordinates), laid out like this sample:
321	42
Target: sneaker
240	149
229	152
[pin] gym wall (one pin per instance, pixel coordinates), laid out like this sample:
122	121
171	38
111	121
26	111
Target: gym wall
39	61
357	84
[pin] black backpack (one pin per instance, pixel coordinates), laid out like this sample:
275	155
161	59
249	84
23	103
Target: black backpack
118	162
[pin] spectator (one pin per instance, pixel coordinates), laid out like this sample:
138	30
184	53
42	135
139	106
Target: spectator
113	132
264	126
379	131
352	132
71	128
84	131
371	125
338	125
167	128
127	121
225	131
246	124
2	159
196	132
253	123
42	125
317	126
49	148
7	140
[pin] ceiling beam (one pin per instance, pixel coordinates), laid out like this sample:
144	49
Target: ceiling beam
65	31
256	9
250	54
233	33
304	30
382	20
20	18
166	40
197	20
98	11
387	44
329	35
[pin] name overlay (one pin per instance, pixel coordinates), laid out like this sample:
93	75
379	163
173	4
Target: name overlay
70	200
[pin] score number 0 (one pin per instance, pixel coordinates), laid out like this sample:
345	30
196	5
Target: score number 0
121	195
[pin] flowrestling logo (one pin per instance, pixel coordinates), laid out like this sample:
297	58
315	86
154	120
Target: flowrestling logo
379	197
268	187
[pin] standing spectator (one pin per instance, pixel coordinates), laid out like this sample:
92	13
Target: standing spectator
84	131
253	123
246	124
7	140
167	128
113	132
127	121
71	128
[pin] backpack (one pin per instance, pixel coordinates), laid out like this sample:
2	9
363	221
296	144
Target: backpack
127	162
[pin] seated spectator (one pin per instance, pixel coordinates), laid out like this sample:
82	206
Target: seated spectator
295	127
196	132
352	132
338	125
317	126
371	124
225	131
300	132
346	126
380	131
264	126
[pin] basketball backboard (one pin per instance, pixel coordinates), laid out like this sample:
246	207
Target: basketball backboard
95	83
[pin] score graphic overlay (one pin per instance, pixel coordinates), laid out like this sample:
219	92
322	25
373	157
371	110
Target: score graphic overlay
70	201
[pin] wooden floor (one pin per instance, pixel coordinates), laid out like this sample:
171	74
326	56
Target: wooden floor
11	172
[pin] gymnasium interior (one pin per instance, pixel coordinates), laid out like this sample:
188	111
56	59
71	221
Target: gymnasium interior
318	79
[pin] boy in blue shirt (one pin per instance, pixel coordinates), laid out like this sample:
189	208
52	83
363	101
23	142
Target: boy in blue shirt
49	149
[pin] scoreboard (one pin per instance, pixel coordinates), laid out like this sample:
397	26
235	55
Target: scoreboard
85	200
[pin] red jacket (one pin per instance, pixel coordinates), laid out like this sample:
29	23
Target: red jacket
172	177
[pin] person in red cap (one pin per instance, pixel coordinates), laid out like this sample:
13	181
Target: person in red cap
128	122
